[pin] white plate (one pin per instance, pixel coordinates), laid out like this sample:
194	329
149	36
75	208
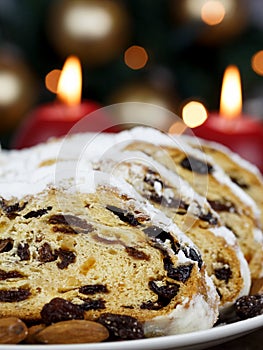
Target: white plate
189	341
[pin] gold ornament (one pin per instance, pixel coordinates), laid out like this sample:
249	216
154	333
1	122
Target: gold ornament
214	21
144	104
17	90
95	31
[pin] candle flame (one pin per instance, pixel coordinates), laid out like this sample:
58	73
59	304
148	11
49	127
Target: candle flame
70	82
231	95
194	114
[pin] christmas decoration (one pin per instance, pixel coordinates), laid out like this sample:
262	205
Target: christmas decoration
60	117
17	90
135	57
230	127
95	31
215	21
143	103
184	55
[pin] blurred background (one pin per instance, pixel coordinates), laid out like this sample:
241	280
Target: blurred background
164	52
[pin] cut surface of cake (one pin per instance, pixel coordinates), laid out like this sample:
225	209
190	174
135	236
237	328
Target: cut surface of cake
242	172
237	210
138	224
94	245
169	193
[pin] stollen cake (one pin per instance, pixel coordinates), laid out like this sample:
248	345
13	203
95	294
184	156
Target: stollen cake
89	248
245	174
224	260
237	210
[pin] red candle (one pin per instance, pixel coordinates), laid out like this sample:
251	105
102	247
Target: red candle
241	133
68	114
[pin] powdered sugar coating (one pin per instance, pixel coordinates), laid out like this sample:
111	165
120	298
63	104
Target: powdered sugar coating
183	318
18	165
197	203
243	163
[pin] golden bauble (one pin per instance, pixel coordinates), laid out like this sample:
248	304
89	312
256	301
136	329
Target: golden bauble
230	18
17	90
95	31
142	103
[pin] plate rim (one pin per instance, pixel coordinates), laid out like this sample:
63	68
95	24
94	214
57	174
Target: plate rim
232	330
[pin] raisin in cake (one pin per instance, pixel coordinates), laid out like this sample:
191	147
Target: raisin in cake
237	210
93	245
242	172
224	260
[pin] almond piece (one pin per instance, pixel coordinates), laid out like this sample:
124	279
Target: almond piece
32	332
257	286
12	330
73	332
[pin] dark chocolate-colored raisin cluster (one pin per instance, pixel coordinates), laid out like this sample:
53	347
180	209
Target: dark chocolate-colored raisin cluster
249	306
121	326
196	165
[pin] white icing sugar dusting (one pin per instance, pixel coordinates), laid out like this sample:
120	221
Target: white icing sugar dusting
135	160
197	315
18	165
236	158
223	178
258	235
159	138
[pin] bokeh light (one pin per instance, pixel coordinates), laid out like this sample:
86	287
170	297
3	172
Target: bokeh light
135	57
257	62
194	114
51	80
177	128
213	12
95	31
10	87
91	22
